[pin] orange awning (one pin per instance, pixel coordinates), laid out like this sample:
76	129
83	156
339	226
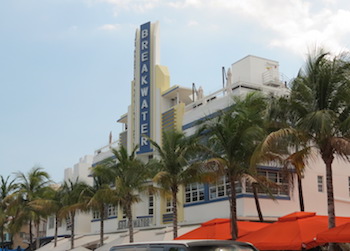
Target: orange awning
340	234
220	229
291	232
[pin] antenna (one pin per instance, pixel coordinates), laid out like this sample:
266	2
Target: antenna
193	90
224	77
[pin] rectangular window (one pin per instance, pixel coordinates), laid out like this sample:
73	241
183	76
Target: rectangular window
112	210
194	192
51	222
96	215
169	205
124	212
320	183
69	223
150	204
281	188
222	188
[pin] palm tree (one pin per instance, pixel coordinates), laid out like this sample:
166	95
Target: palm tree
320	97
174	165
100	195
233	136
6	189
51	204
288	149
72	202
31	186
130	179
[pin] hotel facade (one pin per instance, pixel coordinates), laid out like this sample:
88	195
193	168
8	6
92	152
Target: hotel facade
155	106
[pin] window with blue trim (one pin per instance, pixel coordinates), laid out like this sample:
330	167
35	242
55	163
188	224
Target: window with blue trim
194	192
222	188
281	188
112	210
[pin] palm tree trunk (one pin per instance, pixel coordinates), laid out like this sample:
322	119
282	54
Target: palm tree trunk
102	213
330	195
2	237
30	234
257	203
301	194
37	242
330	198
56	230
328	157
72	231
174	197
130	225
233	208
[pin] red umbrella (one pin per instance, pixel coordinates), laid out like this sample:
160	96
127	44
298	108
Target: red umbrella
291	232
220	229
340	234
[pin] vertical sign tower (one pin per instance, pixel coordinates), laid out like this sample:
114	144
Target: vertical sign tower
145	93
145	90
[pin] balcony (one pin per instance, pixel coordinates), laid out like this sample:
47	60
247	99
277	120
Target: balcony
145	221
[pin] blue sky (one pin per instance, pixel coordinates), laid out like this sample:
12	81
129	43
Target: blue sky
66	65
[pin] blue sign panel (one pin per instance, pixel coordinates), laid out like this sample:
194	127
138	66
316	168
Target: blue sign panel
145	88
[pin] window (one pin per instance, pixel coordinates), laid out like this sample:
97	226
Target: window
150	204
320	183
7	237
194	192
220	189
112	210
223	188
96	215
282	188
169	205
124	212
51	222
69	223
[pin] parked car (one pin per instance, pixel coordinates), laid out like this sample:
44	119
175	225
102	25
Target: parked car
186	245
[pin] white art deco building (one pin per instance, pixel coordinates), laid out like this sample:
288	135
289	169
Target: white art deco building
157	105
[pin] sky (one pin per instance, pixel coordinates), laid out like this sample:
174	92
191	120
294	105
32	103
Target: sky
66	65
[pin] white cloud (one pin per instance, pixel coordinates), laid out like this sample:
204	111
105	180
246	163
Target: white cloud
110	27
294	24
185	4
139	6
297	24
192	23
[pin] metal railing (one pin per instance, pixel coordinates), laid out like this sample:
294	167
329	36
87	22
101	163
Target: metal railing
139	222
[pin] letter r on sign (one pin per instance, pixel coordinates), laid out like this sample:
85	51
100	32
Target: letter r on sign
144	141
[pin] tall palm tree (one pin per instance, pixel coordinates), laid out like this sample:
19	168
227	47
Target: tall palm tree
7	187
51	204
31	186
72	202
130	179
100	194
233	136
174	165
288	149
320	97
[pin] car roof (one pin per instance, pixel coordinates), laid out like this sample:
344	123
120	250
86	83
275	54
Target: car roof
187	243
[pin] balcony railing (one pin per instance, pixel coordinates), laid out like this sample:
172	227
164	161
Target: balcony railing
139	222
